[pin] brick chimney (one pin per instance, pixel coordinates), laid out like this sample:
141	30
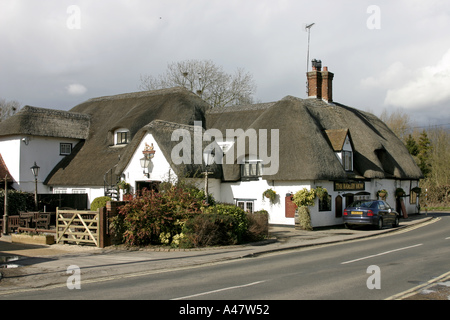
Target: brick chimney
320	83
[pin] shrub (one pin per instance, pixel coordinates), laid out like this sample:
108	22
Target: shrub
258	226
99	202
304	198
241	224
305	218
210	230
17	201
143	219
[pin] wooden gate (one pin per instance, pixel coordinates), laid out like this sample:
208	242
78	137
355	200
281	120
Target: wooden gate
78	226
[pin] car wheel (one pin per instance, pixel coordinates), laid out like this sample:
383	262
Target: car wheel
347	226
380	224
396	222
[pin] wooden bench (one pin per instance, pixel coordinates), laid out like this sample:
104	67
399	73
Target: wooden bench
43	221
28	219
13	223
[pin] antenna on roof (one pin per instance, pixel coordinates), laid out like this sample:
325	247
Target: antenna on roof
308	29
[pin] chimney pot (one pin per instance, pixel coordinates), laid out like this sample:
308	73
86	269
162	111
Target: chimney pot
320	83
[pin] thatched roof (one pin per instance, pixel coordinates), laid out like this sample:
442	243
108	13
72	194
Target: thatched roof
90	160
46	122
162	133
337	138
306	152
310	132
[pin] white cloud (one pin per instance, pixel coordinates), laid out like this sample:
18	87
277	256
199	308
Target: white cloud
76	89
428	87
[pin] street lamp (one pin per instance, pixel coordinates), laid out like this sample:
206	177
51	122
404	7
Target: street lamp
35	170
208	158
149	154
144	164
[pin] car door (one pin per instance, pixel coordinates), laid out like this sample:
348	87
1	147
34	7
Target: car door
389	212
382	211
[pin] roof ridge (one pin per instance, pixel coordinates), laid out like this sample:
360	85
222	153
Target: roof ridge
31	109
139	94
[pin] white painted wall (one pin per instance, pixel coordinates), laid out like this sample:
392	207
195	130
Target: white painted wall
159	167
20	153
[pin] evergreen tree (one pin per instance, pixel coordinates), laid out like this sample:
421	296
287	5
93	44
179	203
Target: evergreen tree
412	146
424	154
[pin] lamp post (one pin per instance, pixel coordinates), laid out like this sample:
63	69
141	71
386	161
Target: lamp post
208	158
144	164
35	170
5	215
149	154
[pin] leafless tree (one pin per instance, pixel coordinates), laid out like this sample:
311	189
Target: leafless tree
207	80
8	108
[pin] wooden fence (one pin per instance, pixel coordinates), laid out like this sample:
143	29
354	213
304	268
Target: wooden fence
80	227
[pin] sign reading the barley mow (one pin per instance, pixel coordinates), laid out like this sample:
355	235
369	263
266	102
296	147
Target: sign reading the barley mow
349	186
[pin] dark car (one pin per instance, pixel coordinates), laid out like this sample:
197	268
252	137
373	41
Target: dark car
370	212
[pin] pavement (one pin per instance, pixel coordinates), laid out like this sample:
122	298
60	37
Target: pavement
46	266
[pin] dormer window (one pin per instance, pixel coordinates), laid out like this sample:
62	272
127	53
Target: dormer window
251	170
347	160
121	136
341	143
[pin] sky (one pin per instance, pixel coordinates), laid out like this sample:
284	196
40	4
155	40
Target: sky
386	55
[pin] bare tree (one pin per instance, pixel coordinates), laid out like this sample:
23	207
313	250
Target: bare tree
207	80
8	108
399	122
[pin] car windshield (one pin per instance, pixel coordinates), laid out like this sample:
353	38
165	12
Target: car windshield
362	204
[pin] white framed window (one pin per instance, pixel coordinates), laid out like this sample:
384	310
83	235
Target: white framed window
347	160
122	136
245	204
79	191
65	149
251	170
59	190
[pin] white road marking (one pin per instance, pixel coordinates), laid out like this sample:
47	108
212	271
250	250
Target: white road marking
219	290
383	253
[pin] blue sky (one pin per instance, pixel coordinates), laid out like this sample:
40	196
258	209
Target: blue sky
58	53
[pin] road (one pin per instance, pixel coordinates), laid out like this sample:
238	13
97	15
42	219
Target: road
389	264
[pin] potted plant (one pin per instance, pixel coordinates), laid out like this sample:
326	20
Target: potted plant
399	192
382	193
303	199
417	190
126	187
321	193
270	194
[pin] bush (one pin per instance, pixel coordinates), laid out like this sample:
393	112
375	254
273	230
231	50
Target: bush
258	226
305	218
241	224
99	202
17	201
143	219
210	230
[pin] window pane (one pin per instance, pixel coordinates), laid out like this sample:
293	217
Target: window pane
246	169
253	171
65	148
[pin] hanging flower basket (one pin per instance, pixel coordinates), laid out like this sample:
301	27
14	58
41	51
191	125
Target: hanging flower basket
321	193
417	190
399	192
270	194
382	193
